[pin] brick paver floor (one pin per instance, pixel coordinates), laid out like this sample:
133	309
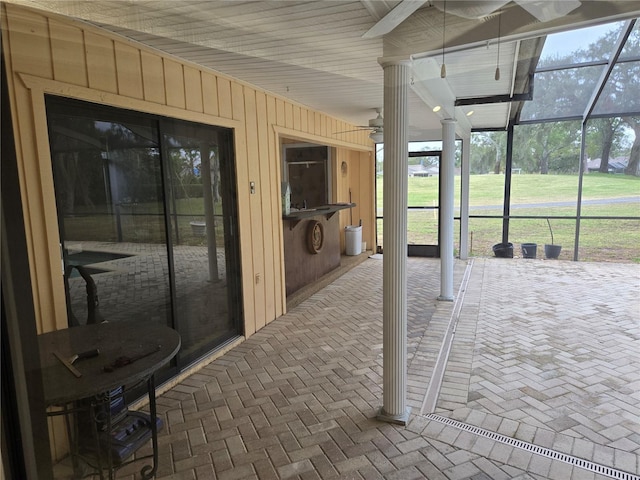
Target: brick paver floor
546	352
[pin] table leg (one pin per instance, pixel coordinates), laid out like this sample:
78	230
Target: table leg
149	471
106	402
73	441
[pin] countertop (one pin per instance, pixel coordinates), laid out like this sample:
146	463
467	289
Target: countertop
321	210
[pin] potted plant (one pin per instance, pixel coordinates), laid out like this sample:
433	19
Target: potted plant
551	251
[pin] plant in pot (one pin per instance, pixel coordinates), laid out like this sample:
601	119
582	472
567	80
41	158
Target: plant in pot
551	250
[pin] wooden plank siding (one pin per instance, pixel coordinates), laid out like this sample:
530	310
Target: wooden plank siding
47	46
253	175
359	169
50	54
128	71
101	64
67	46
174	83
275	172
209	94
193	89
269	191
152	78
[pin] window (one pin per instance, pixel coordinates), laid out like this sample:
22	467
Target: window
307	171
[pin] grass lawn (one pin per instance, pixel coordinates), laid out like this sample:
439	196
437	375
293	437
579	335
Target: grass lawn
489	189
598	242
142	223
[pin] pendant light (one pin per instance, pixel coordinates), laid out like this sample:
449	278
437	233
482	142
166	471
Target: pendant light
443	69
497	75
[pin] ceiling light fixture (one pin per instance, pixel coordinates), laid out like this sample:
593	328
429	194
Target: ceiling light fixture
497	76
436	109
470	112
443	69
376	136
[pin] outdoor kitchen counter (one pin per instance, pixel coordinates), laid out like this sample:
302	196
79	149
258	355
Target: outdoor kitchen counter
311	244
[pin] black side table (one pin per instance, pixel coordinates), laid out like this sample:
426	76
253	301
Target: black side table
149	346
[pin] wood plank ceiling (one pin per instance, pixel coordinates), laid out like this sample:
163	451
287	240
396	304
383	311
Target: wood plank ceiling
313	51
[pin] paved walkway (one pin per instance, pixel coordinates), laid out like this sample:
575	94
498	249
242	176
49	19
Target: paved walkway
544	370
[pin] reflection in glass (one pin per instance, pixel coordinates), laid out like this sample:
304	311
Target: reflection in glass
108	182
198	233
122	180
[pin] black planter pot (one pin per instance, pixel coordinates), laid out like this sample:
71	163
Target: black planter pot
529	250
552	251
503	250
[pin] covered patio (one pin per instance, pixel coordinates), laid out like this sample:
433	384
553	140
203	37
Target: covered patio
482	367
542	380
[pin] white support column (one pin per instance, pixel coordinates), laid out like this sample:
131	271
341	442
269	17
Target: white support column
464	198
446	209
394	263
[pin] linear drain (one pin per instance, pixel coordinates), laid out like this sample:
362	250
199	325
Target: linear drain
545	452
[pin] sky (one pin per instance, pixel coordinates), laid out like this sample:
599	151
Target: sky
567	42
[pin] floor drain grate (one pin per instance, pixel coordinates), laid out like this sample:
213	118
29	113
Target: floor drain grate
545	452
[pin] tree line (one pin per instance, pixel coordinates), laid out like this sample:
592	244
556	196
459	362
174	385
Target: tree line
561	93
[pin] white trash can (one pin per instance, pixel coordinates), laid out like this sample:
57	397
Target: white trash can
353	239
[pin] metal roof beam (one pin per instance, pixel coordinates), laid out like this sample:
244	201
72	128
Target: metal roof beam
606	73
517	97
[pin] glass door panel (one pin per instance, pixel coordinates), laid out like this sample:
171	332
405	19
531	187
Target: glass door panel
108	183
147	209
198	159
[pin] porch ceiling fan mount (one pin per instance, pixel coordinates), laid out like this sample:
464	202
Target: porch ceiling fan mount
376	126
378	122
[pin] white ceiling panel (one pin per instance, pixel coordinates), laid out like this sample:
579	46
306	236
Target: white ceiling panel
314	53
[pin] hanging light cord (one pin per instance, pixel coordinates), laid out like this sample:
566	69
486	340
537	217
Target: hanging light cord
497	76
443	69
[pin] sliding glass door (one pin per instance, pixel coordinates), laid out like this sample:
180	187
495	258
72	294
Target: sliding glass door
204	251
146	209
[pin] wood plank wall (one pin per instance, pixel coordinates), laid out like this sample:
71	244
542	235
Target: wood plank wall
47	53
356	183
